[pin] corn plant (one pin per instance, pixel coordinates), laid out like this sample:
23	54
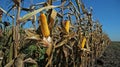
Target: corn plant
61	36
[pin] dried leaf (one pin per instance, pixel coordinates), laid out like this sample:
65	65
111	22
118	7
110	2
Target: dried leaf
83	7
53	14
11	8
59	15
17	2
74	7
25	9
61	43
7	13
9	64
29	15
18	62
30	60
49	2
52	18
47	41
31	35
65	52
49	50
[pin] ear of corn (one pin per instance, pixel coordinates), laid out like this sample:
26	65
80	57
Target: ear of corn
67	26
44	25
83	42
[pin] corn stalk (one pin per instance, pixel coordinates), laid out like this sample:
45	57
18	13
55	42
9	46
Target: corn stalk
65	36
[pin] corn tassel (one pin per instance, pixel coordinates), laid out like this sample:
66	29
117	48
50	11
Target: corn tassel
83	43
67	26
44	25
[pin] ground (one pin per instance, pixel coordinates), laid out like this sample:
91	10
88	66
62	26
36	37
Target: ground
111	56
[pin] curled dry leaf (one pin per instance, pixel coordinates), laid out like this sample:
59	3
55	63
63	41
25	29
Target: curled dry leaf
30	60
31	35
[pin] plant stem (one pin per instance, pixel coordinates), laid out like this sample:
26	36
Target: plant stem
16	32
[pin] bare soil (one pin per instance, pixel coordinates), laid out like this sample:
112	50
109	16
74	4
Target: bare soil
111	56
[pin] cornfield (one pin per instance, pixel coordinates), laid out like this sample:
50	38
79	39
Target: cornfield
63	35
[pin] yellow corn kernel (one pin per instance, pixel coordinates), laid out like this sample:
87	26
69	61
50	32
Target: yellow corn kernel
67	26
83	42
44	25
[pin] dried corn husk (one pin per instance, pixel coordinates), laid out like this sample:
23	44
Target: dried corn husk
52	19
48	44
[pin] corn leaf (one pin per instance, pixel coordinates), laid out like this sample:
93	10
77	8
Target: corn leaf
29	15
52	18
32	35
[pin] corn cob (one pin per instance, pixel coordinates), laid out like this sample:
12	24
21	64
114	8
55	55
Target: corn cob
67	26
83	42
44	25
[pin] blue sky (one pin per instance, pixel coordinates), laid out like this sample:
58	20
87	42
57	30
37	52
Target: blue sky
106	11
